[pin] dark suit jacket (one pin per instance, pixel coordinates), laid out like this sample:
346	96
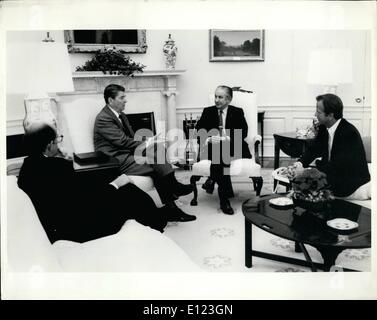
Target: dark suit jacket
66	206
113	139
235	119
71	209
347	169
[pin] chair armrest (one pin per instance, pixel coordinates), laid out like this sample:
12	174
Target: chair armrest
256	138
254	143
14	165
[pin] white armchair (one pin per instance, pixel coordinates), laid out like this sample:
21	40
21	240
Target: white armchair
241	167
78	117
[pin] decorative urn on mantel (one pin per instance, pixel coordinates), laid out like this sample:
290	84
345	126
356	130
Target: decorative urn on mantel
170	53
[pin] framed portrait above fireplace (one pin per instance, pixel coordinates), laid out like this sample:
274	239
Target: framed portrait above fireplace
236	45
128	40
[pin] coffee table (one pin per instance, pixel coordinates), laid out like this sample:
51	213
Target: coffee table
299	225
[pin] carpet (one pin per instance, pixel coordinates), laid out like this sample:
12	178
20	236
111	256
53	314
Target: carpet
215	241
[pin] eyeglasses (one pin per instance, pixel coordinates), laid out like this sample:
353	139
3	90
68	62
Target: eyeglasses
59	138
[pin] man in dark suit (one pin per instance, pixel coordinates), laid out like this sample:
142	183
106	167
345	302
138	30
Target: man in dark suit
71	209
341	149
114	136
221	132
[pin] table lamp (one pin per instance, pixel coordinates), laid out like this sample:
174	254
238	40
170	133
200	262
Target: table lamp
330	67
36	70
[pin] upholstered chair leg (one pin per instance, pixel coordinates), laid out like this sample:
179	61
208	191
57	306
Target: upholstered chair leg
193	180
258	184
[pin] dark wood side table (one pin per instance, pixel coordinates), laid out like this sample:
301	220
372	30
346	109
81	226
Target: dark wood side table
99	172
289	144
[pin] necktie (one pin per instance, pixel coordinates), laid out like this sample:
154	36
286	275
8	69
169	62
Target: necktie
126	126
221	122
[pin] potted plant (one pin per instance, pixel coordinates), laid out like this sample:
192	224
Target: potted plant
109	60
310	190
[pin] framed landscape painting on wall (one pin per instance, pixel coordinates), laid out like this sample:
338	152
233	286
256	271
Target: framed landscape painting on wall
236	45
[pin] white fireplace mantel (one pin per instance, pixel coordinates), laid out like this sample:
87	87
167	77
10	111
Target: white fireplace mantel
138	86
151	90
147	73
151	80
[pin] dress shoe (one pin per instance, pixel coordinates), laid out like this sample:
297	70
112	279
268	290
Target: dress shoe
225	207
209	185
181	189
177	214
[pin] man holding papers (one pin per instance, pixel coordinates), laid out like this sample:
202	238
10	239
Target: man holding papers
114	136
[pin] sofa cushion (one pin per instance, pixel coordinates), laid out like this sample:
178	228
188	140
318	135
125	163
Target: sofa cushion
135	248
238	167
367	146
28	248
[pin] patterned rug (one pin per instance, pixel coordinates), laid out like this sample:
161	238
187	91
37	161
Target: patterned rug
215	241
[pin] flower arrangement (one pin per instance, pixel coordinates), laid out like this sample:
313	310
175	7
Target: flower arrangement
311	185
112	61
309	131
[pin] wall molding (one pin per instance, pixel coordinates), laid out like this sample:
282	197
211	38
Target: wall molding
286	118
277	119
286	108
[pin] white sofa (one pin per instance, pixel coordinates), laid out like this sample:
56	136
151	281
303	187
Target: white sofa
135	248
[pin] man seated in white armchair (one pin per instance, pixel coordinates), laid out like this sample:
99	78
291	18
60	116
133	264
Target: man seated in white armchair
221	132
340	147
114	136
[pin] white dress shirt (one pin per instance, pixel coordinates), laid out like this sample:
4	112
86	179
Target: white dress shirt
225	111
117	114
331	132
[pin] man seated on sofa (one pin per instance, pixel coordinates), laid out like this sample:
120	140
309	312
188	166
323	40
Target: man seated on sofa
341	149
68	208
114	136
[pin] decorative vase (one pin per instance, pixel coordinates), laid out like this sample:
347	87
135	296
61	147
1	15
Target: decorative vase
170	53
